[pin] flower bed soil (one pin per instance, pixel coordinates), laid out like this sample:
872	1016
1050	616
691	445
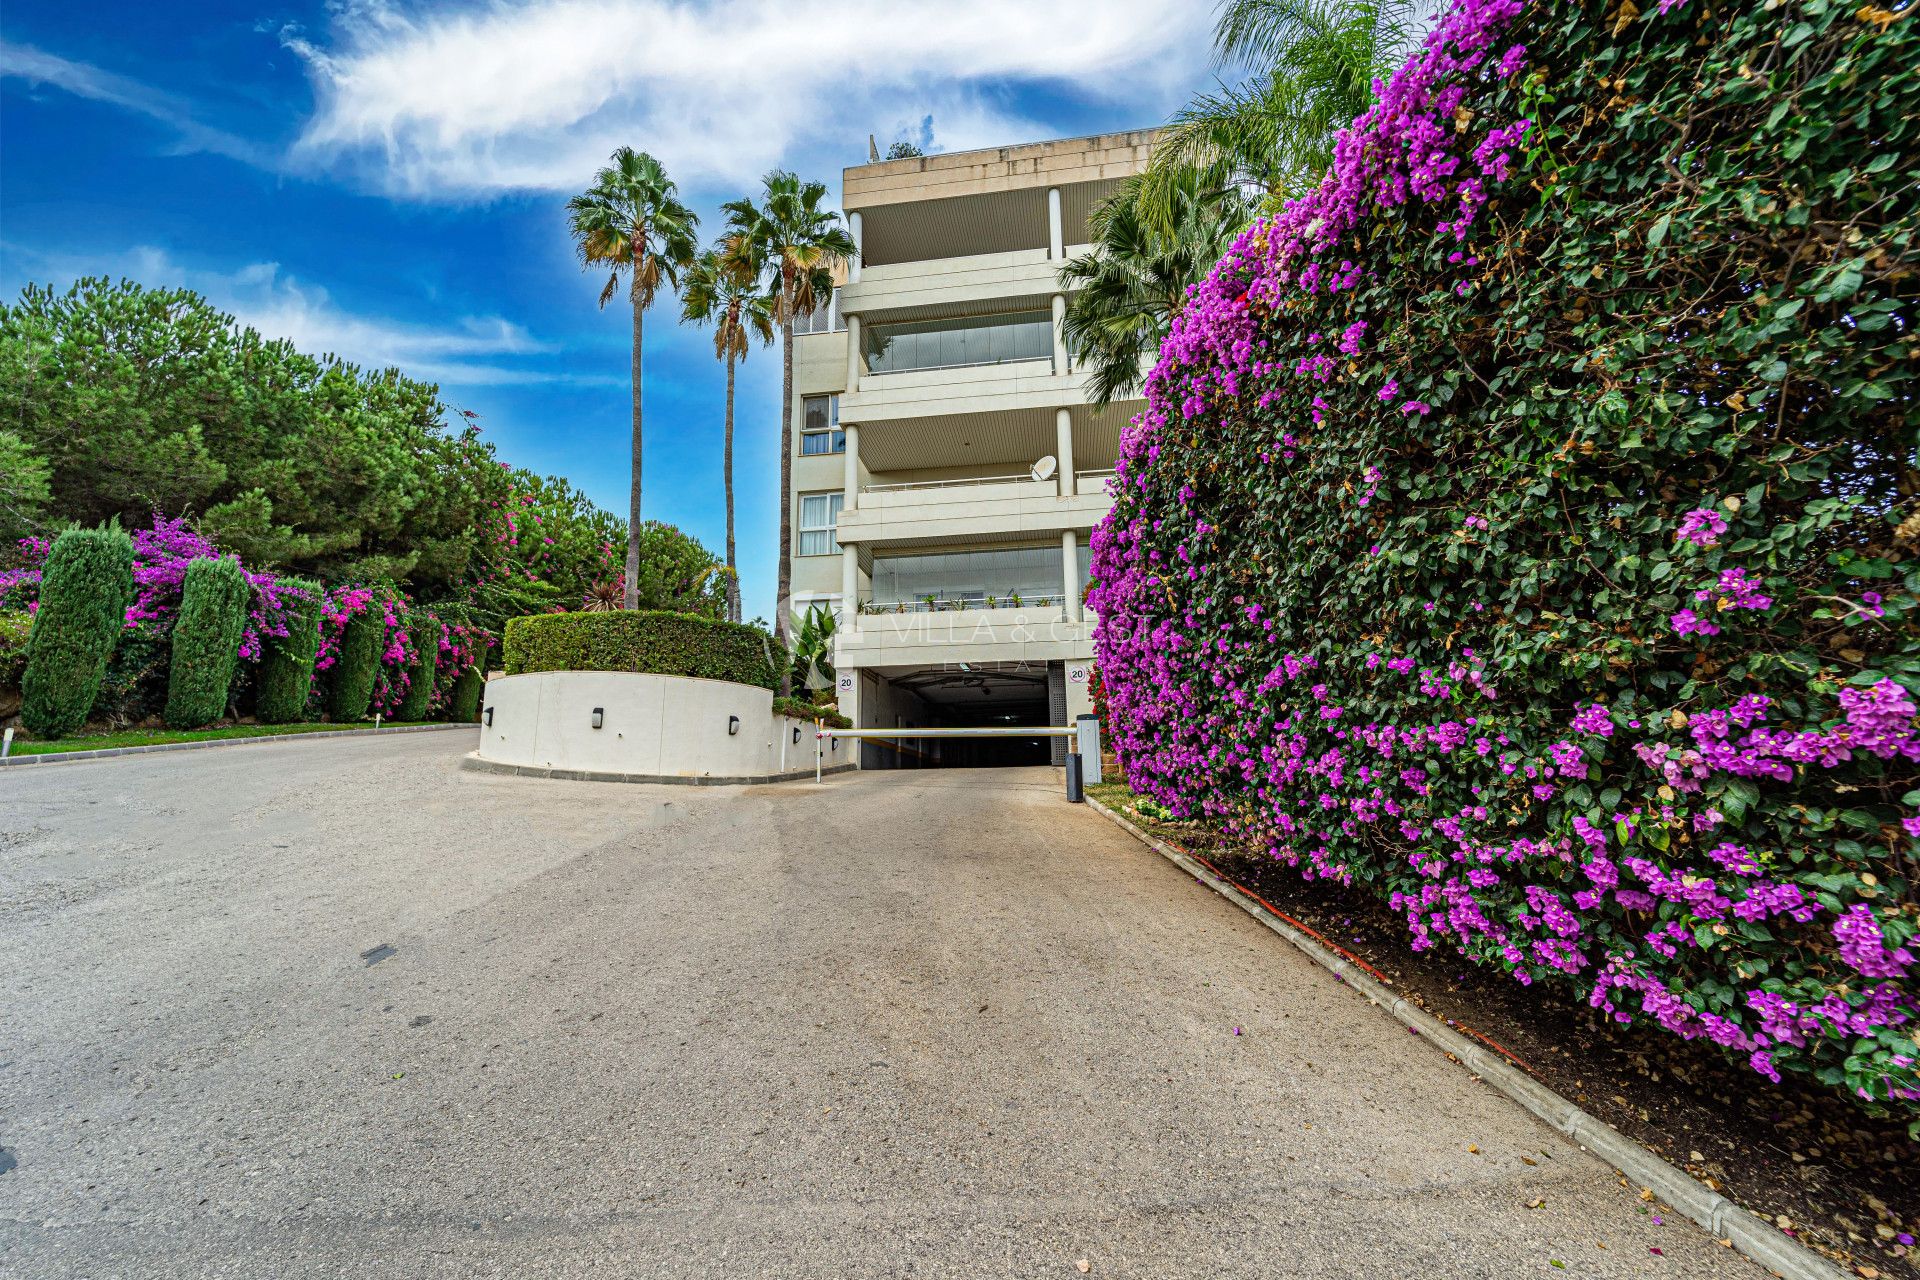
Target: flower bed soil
1840	1181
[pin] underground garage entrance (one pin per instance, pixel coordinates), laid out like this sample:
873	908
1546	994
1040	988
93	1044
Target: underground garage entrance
992	695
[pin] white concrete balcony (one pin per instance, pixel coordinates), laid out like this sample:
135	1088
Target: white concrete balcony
957	511
977	390
926	287
917	637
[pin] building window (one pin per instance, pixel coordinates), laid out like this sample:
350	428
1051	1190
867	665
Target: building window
991	577
818	513
820	426
942	344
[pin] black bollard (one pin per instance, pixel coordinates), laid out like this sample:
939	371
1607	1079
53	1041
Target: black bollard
1074	792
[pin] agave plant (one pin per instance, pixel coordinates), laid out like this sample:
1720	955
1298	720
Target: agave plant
812	665
604	597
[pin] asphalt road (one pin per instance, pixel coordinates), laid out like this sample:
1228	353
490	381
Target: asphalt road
342	1009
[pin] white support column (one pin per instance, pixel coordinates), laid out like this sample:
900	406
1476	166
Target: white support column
851	502
1070	553
853	353
847	695
849	583
1060	334
1056	236
859	247
1063	450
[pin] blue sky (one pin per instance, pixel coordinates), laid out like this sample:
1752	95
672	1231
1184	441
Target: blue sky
386	181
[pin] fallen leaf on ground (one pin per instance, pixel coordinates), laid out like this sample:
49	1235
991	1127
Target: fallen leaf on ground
1083	1266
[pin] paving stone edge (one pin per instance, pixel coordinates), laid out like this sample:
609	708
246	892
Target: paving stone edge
475	761
67	757
1751	1236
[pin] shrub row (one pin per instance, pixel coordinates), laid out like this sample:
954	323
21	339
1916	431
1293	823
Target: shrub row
162	622
672	644
1523	524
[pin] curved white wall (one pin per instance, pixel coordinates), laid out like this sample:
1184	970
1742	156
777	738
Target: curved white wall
651	726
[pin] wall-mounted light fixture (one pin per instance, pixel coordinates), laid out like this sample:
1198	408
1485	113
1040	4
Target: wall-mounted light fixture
489	717
796	733
733	725
599	716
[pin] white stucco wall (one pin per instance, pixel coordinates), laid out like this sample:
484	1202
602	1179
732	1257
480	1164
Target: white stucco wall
662	726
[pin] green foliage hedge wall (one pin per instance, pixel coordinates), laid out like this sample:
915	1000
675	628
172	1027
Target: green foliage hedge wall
206	642
673	644
85	589
285	679
1523	524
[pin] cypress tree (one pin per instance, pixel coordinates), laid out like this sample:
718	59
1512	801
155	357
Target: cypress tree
463	701
286	662
351	689
424	630
85	589
206	641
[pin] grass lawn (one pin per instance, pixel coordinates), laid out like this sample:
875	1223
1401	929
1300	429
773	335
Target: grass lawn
151	737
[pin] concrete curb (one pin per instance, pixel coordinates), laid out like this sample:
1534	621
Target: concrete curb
66	757
1751	1236
472	760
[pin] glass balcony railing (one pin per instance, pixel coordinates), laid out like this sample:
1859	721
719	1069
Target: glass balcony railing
949	581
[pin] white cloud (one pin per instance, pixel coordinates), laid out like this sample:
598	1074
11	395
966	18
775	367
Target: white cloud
533	95
470	350
38	67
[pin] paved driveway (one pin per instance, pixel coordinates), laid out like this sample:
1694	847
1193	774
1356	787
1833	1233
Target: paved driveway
342	1009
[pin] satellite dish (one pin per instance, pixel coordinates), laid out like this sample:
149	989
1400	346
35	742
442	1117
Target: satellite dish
1043	469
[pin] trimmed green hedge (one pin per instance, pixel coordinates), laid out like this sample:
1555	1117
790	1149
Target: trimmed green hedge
668	644
84	593
350	691
423	629
206	642
801	709
286	662
14	630
463	700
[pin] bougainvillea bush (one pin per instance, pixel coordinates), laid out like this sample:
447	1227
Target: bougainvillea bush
1523	526
274	655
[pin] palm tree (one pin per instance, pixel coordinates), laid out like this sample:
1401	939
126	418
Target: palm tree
798	245
1310	67
1124	295
631	220
723	289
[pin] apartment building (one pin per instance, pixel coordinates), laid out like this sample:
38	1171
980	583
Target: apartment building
948	465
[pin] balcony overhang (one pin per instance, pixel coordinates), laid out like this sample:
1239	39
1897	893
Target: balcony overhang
975	285
920	515
974	636
922	222
989	441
